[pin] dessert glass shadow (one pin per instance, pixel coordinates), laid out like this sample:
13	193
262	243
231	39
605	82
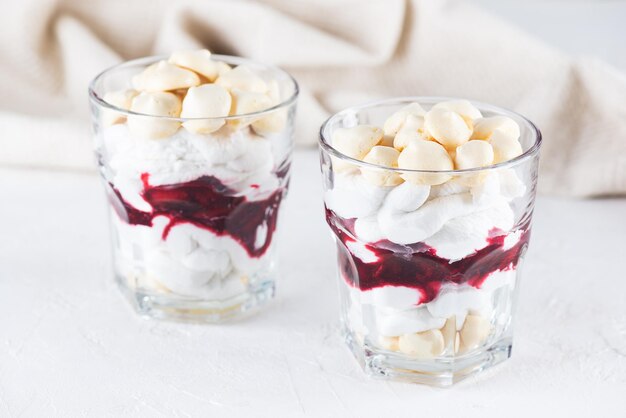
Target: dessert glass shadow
429	261
194	201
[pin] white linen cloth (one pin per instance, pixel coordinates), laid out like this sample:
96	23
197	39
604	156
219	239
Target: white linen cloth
342	52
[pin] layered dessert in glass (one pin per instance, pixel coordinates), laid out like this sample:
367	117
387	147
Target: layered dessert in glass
430	203
194	150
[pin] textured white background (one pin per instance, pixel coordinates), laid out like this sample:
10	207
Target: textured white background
71	346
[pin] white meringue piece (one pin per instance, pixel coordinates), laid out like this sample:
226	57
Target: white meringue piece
121	99
505	147
387	141
276	120
395	122
458	300
449	334
423	345
245	102
485	127
464	108
249	102
473	154
425	155
388	343
447	127
384	157
411	131
206	101
475	331
222	68
242	78
163	76
199	61
357	141
154	104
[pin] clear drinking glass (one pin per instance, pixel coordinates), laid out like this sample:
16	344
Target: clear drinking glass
193	216
428	278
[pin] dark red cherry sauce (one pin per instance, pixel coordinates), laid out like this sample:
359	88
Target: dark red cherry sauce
206	203
417	265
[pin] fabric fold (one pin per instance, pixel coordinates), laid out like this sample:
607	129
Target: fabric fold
342	52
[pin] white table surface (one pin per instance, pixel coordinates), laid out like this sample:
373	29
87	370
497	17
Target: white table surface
71	346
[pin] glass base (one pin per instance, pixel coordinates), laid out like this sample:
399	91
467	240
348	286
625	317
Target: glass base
440	372
170	307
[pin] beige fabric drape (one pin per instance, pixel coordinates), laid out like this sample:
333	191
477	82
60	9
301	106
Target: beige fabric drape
342	52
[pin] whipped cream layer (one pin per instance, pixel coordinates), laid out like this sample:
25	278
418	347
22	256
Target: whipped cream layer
195	255
453	219
393	311
240	159
433	238
190	262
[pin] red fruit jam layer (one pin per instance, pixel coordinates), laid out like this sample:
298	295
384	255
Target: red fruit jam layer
417	265
208	204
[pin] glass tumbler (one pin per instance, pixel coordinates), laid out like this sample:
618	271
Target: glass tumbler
194	216
428	275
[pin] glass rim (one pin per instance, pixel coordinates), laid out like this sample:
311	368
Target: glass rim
94	97
530	127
